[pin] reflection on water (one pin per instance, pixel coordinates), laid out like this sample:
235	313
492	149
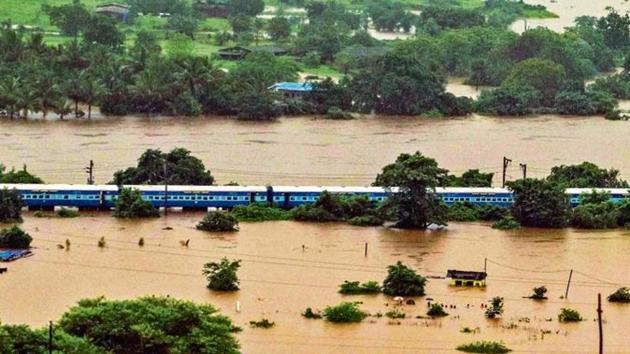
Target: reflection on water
280	279
307	150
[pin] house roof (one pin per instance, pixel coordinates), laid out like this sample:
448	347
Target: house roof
292	86
113	8
466	274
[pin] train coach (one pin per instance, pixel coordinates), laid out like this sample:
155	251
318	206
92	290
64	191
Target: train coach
48	196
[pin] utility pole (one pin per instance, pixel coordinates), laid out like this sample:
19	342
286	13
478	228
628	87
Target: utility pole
485	265
599	321
506	163
366	249
165	190
566	293
50	336
90	171
524	169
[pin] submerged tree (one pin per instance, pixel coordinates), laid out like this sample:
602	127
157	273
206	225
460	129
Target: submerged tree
414	205
131	205
218	221
14	237
403	281
10	206
540	203
222	276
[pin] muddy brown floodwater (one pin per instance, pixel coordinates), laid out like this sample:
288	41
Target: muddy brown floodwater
279	280
306	150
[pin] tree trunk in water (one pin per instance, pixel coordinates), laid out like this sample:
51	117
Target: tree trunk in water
76	108
89	111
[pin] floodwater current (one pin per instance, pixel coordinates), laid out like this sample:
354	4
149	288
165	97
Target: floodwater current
289	266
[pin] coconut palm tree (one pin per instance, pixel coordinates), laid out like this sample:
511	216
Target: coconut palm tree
8	99
91	89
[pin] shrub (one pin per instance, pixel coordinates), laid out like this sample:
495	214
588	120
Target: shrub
308	313
621	295
484	347
436	310
101	242
67	213
507	223
367	220
337	114
312	213
131	205
354	288
496	307
394	314
539	293
344	313
595	216
403	281
259	212
218	221
14	237
264	323
222	276
569	315
463	211
10	206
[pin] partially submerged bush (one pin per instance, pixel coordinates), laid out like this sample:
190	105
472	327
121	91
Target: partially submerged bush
218	221
14	237
355	288
403	281
10	206
264	323
222	276
539	293
310	314
436	310
484	347
621	295
395	314
367	220
67	213
569	315
507	223
131	205
603	215
495	308
344	313
259	212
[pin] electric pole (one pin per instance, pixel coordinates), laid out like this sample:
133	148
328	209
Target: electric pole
599	321
90	171
506	163
50	337
524	168
165	190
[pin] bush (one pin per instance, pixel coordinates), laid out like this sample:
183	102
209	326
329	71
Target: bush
131	205
507	223
595	216
484	347
312	213
264	323
463	211
344	313
569	315
14	237
259	212
394	314
403	281
496	308
337	114
621	295
354	288
436	310
222	276
218	221
367	220
539	293
308	313
67	213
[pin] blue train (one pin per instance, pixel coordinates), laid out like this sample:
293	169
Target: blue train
47	196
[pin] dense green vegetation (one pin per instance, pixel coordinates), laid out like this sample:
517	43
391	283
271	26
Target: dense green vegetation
540	203
159	65
21	176
222	276
259	212
621	295
586	175
484	347
149	324
403	281
177	167
131	205
14	237
436	310
344	313
218	221
357	288
569	315
10	206
495	307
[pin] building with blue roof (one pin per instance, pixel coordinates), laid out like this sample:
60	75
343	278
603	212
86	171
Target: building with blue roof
292	89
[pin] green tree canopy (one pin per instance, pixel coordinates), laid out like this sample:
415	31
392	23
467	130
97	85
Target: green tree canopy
413	205
586	175
222	276
131	205
71	18
10	206
540	203
403	281
14	237
180	166
21	176
249	8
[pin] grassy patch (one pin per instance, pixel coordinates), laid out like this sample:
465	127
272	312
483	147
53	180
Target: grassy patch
259	212
484	347
354	288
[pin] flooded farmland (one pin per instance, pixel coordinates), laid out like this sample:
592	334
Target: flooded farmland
288	266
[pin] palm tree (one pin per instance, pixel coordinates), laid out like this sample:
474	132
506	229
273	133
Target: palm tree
62	107
195	72
8	89
26	99
47	92
91	90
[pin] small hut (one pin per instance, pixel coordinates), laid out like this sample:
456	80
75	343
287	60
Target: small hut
114	10
295	90
466	278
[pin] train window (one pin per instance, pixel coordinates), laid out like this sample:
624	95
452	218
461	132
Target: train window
304	198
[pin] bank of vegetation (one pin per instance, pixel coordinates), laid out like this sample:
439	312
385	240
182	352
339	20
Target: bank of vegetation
151	65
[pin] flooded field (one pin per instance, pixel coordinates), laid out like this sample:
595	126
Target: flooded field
280	278
307	150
